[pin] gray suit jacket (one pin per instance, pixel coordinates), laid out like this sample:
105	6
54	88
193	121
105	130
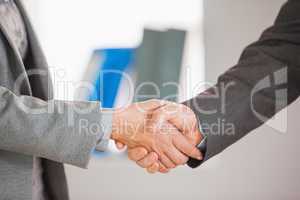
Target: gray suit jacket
32	125
265	80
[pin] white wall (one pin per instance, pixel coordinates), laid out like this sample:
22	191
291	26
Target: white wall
231	25
69	30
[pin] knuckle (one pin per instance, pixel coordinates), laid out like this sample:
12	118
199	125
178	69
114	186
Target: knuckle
178	161
131	157
153	157
130	153
181	161
152	169
142	164
136	154
171	165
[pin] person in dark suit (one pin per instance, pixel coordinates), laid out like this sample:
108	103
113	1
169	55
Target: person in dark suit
265	80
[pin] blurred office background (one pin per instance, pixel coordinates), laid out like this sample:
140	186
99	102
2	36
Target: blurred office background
263	165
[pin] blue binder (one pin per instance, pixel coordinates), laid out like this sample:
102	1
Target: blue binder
113	63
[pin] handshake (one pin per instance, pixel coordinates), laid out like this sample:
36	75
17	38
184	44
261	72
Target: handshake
159	135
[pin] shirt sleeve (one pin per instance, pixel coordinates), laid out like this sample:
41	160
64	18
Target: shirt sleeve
107	119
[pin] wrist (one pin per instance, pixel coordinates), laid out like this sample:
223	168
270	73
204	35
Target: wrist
119	127
116	126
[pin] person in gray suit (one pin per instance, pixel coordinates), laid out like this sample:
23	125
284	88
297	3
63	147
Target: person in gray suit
39	134
265	80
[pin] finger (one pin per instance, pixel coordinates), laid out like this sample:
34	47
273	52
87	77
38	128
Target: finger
163	169
148	161
153	168
166	161
137	154
119	145
187	148
176	156
182	117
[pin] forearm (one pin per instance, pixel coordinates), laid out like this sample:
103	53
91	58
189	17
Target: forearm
265	80
61	131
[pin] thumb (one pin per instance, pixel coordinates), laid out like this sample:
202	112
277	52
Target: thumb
151	104
182	144
194	137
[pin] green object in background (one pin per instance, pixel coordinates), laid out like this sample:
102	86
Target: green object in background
158	65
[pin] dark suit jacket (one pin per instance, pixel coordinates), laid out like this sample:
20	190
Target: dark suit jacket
265	80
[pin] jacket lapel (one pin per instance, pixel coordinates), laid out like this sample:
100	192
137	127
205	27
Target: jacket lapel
36	62
20	68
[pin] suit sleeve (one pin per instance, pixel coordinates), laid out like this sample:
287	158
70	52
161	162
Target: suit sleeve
65	132
265	80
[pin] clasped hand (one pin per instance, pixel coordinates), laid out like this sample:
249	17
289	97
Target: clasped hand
159	135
